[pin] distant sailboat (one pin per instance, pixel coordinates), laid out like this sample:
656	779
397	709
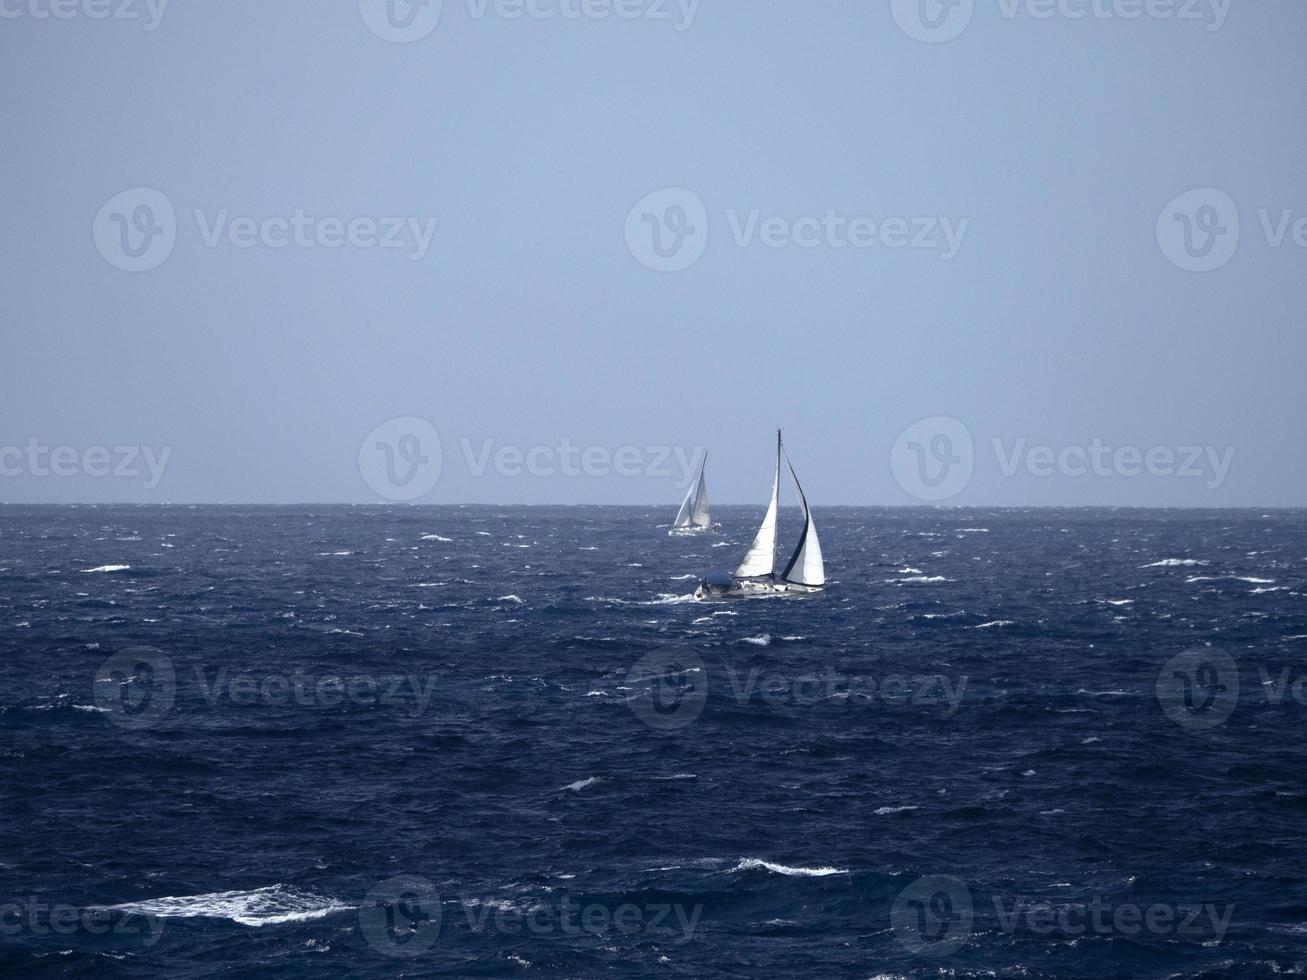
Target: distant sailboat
756	576
693	517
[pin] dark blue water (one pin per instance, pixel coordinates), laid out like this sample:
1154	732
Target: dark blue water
503	742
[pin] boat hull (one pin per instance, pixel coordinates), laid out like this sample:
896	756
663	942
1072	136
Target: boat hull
748	588
694	532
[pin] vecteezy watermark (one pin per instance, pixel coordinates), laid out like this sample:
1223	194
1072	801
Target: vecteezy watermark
34	917
402	918
936	916
1200	688
137	689
933	916
136	231
148	12
36	459
670	688
1200	230
937	21
934	459
668	231
402	460
829	686
405	21
401	21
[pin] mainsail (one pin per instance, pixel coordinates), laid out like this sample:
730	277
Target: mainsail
699	514
761	559
806	566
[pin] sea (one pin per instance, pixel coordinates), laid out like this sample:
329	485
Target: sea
507	742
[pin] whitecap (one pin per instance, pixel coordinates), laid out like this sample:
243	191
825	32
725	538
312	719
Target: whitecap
510	598
885	811
753	864
579	785
435	537
107	568
992	623
272	905
1174	563
760	641
918	578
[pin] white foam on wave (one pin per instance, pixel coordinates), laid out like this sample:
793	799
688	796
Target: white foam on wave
917	578
753	864
1174	563
992	623
106	568
683	578
1251	580
268	906
579	785
436	537
759	641
885	811
510	598
1119	602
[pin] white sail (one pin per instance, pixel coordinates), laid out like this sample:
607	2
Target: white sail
699	512
806	566
683	515
761	559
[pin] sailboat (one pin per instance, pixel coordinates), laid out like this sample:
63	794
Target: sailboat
756	576
693	516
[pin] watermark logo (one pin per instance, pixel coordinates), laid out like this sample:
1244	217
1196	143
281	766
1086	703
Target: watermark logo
1199	688
933	21
400	917
671	688
400	459
667	231
933	459
1199	230
933	916
136	229
401	21
135	687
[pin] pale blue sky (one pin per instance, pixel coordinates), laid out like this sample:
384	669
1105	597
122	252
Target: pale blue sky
528	320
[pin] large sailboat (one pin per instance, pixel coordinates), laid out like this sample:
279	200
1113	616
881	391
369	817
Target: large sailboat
693	517
756	576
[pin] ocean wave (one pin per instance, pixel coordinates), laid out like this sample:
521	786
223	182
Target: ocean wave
435	537
1174	563
754	864
917	578
992	623
579	785
106	568
886	811
273	905
759	641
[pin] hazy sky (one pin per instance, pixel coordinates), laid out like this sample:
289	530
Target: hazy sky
980	225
